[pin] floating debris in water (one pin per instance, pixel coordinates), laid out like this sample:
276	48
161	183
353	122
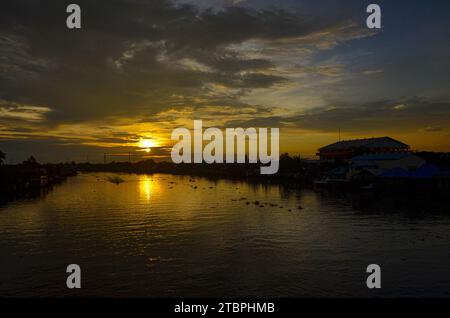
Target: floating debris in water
115	179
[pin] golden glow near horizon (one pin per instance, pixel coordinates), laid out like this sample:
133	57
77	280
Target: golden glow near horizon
147	144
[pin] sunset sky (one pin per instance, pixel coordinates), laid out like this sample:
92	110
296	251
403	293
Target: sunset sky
139	68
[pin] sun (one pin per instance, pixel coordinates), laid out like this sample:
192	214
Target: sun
146	144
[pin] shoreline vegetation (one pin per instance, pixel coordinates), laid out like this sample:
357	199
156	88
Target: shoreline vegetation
31	179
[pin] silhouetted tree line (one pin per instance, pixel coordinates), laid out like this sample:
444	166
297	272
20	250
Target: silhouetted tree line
291	167
30	178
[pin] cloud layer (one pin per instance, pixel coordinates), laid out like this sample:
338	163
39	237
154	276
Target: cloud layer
139	68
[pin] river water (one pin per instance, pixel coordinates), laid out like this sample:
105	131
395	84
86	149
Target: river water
179	236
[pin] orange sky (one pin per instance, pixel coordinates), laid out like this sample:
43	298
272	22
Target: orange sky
118	86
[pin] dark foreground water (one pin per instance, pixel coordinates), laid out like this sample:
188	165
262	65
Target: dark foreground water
162	235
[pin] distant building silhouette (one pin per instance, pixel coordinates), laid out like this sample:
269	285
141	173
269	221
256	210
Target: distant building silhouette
345	150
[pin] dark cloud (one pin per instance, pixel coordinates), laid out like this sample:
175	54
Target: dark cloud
131	56
400	115
393	115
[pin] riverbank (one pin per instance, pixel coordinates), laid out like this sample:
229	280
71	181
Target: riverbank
22	181
292	169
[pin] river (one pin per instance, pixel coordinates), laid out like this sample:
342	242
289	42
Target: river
179	236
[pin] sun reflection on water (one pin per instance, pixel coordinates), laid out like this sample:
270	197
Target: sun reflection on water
148	187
